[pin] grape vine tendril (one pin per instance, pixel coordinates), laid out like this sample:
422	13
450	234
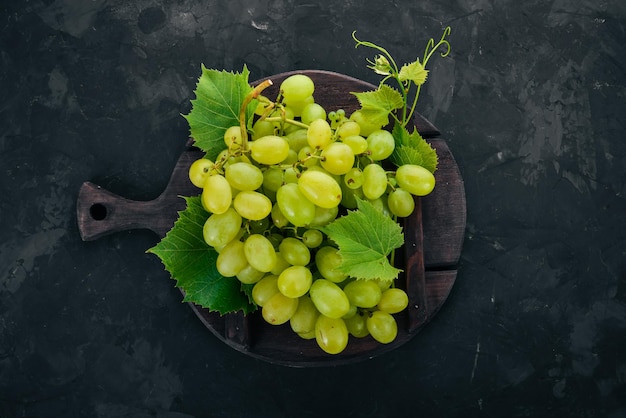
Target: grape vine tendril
385	65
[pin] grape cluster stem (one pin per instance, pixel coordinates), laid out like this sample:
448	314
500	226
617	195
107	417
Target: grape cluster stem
256	92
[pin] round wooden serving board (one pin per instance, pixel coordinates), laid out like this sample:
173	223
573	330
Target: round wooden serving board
433	240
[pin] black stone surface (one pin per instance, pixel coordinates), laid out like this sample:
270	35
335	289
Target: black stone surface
532	102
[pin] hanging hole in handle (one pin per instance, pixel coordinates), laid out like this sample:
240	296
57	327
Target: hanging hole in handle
98	211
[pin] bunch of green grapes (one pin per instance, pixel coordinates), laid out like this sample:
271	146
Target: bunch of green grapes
268	197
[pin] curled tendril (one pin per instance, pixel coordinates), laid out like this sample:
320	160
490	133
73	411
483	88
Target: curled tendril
431	47
385	65
385	53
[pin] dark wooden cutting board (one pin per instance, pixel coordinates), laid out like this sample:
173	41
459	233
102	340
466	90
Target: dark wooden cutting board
433	240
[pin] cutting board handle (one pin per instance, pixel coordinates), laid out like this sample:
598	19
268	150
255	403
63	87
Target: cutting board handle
101	212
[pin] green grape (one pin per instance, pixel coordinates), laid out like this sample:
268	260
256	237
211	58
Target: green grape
216	194
392	183
199	170
252	205
297	139
290	175
223	157
249	275
312	238
278	219
295	252
320	188
289	128
294	205
262	128
307	335
295	281
233	138
231	259
279	309
374	181
303	320
272	179
382	326
383	284
415	179
292	157
353	311
380	205
270	149
327	261
349	197
363	293
260	252
401	203
357	326
367	127
319	134
281	264
331	334
243	158
307	156
393	300
329	298
220	229
244	176
347	129
337	118
337	158
297	106
353	179
311	112
297	87
380	144
262	105
321	169
281	113
324	216
357	143
264	289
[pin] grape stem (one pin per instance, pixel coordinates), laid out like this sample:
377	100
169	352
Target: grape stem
431	47
244	106
285	120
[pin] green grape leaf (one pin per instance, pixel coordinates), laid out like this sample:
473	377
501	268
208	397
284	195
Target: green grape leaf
219	97
365	238
403	154
247	290
376	105
191	262
376	116
411	148
414	72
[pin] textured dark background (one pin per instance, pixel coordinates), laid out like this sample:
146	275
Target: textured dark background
531	102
